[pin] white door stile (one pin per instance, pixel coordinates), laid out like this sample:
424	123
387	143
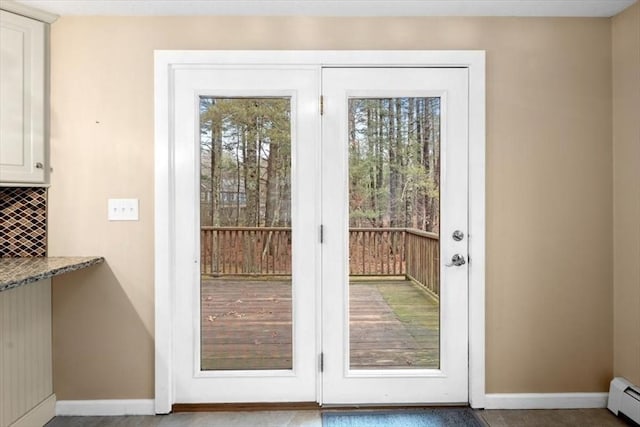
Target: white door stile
171	160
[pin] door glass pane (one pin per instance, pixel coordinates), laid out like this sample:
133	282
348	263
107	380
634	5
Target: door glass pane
245	238
394	217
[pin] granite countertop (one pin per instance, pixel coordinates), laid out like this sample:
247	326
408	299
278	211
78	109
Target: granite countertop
16	272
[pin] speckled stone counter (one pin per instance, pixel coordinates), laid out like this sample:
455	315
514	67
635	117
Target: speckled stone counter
16	272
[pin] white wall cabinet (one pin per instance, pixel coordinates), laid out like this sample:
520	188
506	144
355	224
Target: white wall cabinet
23	101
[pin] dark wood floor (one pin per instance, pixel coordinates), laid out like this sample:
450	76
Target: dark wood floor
246	324
492	418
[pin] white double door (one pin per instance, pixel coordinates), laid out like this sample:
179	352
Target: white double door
337	356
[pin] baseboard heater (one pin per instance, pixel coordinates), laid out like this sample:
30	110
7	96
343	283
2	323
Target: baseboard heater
624	398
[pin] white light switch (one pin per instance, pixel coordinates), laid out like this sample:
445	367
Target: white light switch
123	210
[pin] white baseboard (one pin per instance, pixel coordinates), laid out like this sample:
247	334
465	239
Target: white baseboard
545	400
105	407
492	401
38	416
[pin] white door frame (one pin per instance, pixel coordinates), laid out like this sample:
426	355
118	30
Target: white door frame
165	168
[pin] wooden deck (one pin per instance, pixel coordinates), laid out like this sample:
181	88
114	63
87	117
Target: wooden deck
246	324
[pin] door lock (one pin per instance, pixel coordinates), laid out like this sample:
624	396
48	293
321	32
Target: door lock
457	260
457	235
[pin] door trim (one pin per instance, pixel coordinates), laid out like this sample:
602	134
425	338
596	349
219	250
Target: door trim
165	167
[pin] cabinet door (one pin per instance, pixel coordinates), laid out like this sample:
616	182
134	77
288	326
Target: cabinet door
26	381
22	100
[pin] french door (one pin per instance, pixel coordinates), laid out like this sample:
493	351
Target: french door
321	235
245	299
394	320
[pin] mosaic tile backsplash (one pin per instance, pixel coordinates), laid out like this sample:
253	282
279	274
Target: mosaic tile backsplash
23	222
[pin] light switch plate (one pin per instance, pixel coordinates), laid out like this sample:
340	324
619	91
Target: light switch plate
123	210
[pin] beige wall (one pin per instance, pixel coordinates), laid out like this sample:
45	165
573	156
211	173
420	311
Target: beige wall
549	179
626	193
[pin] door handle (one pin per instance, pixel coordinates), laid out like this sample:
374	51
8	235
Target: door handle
456	260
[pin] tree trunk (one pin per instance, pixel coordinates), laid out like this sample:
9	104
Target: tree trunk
393	165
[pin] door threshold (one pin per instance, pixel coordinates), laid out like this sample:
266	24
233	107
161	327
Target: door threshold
302	406
244	407
400	406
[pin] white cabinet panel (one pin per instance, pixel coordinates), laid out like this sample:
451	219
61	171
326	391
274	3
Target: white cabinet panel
25	351
23	153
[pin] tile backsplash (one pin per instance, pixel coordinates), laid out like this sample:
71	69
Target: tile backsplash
23	222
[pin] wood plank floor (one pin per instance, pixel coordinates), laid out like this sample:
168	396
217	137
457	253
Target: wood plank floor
246	324
492	418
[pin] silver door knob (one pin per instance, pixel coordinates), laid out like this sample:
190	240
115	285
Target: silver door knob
39	165
456	260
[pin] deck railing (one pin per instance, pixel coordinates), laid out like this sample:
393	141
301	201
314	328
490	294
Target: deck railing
377	252
266	251
423	258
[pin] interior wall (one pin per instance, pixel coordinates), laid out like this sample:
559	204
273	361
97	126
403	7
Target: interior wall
626	193
549	180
